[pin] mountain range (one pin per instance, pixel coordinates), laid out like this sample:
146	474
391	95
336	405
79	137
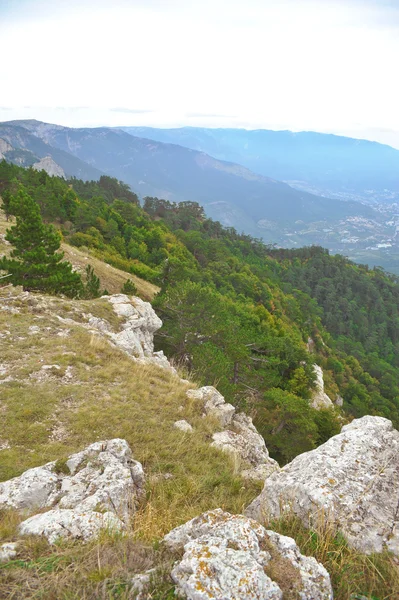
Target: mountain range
323	164
230	192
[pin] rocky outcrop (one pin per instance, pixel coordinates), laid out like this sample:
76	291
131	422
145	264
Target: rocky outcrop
214	404
138	327
4	147
98	487
50	166
230	556
352	480
240	439
320	400
139	322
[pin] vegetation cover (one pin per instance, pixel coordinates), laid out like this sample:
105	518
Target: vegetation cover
237	313
249	318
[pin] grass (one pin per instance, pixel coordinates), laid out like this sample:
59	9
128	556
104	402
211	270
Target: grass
354	576
97	393
111	279
47	415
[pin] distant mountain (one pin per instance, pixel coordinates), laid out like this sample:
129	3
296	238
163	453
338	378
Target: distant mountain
22	145
229	192
320	163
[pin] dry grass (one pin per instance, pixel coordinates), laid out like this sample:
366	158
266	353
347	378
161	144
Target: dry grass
354	576
112	279
97	393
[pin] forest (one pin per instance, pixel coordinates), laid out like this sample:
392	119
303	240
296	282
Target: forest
249	318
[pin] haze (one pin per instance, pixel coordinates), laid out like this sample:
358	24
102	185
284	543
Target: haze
327	65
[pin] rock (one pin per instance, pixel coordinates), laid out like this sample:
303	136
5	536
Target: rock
352	480
214	404
320	400
183	426
246	443
8	551
241	439
138	329
50	166
339	401
61	523
230	556
103	478
140	585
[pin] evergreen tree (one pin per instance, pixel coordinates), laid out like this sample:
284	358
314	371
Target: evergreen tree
92	287
34	262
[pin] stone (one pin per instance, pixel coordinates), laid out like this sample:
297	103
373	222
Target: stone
352	481
140	323
244	441
320	400
183	426
339	401
230	556
61	523
240	439
214	404
140	585
103	478
8	551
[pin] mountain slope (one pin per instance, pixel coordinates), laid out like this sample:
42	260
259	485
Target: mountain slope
322	163
229	192
25	148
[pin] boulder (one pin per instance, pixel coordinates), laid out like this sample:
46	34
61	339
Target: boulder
241	438
320	400
352	481
214	404
59	523
183	426
230	556
101	479
139	324
8	551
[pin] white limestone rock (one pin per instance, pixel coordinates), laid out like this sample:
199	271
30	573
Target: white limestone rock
351	480
320	400
8	551
50	166
241	438
140	323
229	556
184	426
62	523
244	441
103	478
214	404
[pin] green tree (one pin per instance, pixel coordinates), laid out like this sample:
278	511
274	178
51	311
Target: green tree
34	262
129	288
92	287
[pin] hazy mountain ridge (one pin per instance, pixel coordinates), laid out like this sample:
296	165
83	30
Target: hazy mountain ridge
321	163
229	192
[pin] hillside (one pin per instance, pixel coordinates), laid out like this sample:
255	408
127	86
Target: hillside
265	326
229	192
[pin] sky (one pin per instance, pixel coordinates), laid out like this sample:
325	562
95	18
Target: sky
320	65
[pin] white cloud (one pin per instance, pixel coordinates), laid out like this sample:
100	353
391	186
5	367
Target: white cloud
327	65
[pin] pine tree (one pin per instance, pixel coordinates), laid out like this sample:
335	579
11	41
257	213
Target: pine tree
34	262
92	287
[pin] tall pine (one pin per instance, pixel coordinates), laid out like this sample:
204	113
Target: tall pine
34	261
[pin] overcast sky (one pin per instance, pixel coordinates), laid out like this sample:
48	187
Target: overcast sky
322	65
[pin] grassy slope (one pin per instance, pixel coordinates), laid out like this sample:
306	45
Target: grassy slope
111	278
100	393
